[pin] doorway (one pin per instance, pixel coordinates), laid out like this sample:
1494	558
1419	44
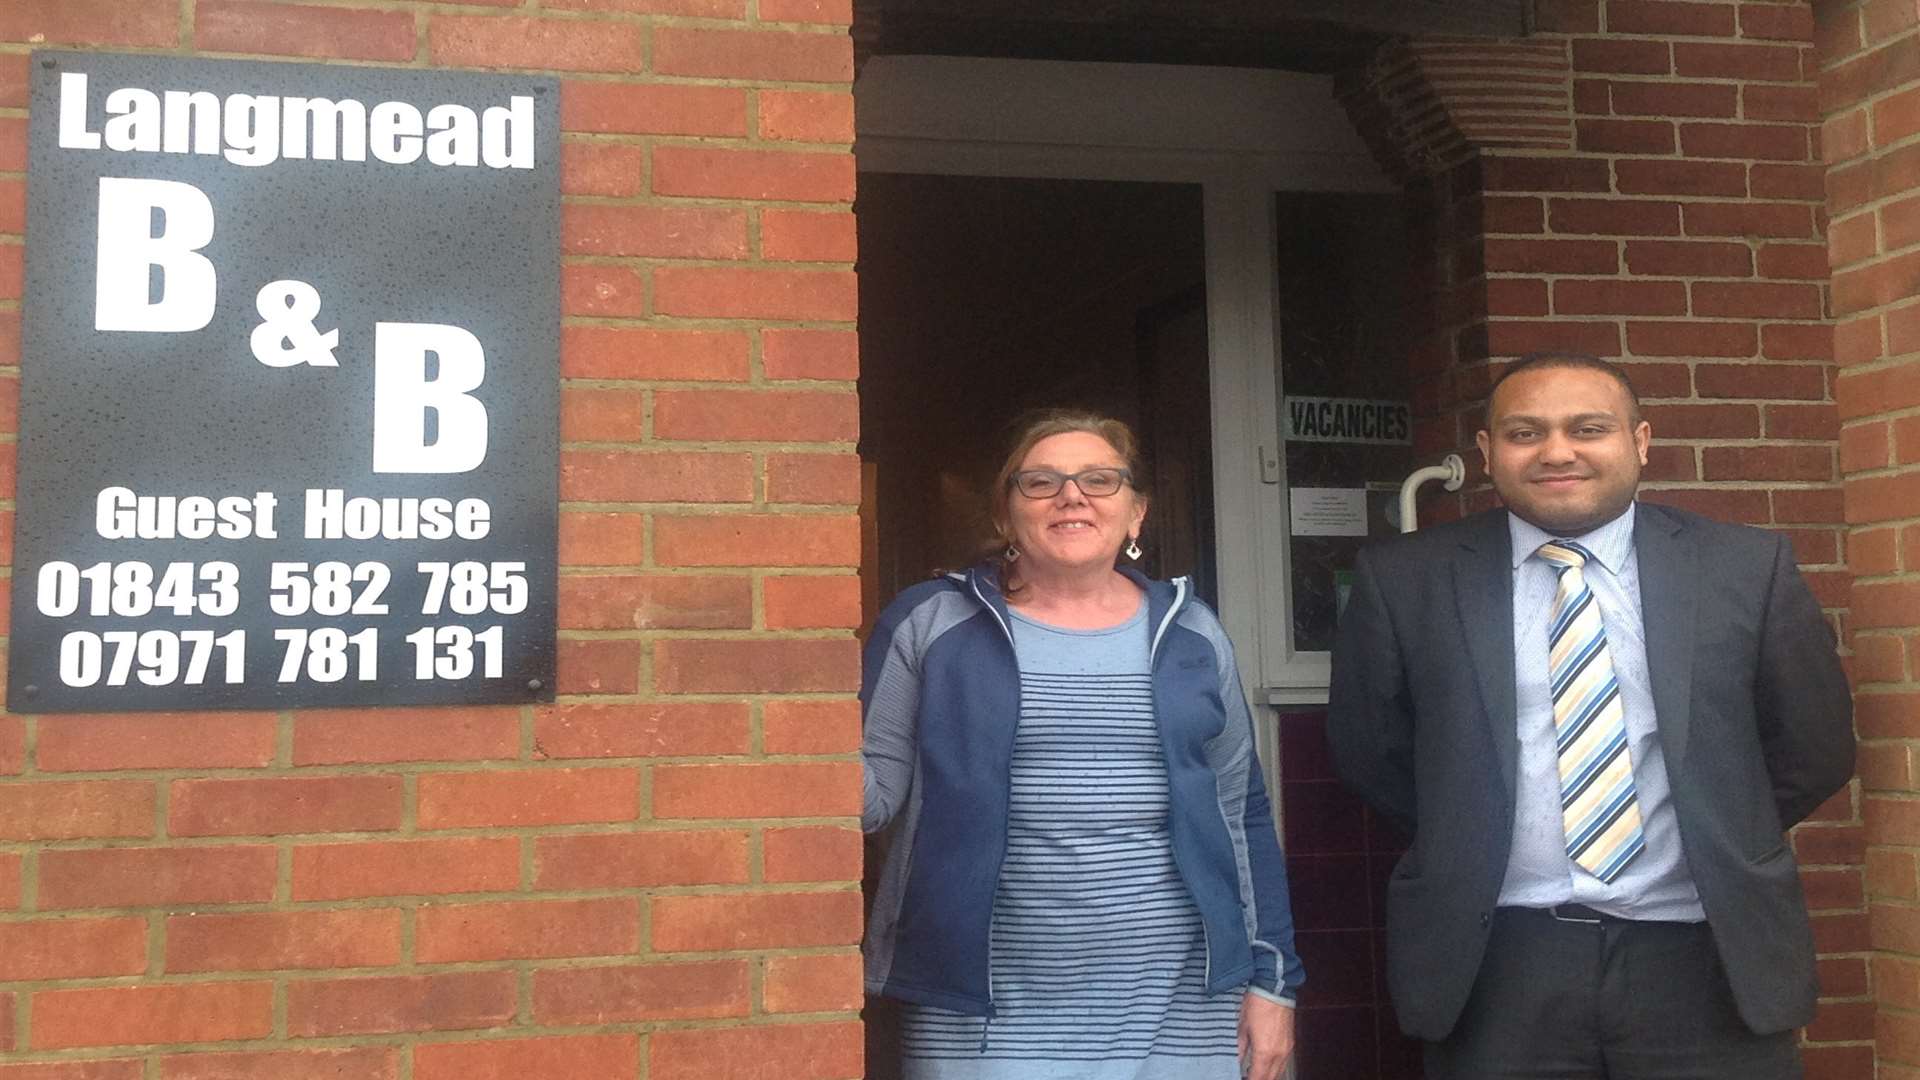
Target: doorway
1151	241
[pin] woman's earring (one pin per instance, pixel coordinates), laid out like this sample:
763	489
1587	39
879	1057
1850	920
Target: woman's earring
1133	548
1011	553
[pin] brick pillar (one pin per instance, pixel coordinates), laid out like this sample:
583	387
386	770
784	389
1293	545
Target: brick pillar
1642	180
1870	95
657	875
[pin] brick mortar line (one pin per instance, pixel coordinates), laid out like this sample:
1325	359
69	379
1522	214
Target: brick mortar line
618	17
183	34
734	144
759	262
1656	198
741	82
1682	201
1641	78
1870	261
1880	258
1753	485
704	697
1880	793
1750	240
635	570
400	1041
696	571
705	509
751	573
1872	206
405	769
718	203
162	806
1736	121
293	842
730	633
410	905
633	826
1892	577
1833	63
731	143
421	63
719	323
1878	471
1876	365
720	446
1876	152
1747	442
716	140
694	322
597	382
743	262
420	51
415	966
1889	690
1627	276
456	8
652	78
1536	153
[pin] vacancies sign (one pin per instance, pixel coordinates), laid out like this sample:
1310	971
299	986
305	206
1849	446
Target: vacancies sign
289	395
1356	420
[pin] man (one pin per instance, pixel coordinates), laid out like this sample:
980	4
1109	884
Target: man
1596	719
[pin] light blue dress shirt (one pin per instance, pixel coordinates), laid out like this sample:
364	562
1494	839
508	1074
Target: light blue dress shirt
1657	885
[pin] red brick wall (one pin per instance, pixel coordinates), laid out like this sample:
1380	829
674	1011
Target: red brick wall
654	877
1683	235
1870	96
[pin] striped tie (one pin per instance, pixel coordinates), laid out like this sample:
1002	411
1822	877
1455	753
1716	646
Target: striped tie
1598	804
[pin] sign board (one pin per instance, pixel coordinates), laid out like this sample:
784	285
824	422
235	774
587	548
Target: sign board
289	393
1327	511
1351	420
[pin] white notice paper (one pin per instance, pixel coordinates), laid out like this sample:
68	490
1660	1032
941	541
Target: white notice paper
1329	511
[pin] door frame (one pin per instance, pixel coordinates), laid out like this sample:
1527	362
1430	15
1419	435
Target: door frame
1242	135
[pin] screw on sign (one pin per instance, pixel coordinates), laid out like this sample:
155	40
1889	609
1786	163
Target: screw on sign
289	432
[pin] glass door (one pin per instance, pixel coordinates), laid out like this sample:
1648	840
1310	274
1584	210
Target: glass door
1343	409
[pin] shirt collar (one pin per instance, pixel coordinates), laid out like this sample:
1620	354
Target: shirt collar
1610	543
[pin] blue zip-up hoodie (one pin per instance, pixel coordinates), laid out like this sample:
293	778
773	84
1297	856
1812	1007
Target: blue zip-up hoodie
941	699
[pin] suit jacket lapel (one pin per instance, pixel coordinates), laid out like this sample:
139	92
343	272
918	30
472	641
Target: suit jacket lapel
1483	591
1668	608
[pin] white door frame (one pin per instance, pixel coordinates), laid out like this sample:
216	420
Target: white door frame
1240	134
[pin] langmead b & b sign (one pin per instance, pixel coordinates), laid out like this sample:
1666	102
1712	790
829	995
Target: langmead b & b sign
289	387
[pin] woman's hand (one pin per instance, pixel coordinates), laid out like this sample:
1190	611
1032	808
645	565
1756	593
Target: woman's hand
1266	1037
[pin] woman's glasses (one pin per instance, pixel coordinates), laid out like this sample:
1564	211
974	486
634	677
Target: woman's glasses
1093	483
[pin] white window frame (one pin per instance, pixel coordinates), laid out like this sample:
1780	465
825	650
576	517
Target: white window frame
1241	135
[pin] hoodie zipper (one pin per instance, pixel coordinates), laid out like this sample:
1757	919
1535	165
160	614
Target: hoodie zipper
1153	653
986	1025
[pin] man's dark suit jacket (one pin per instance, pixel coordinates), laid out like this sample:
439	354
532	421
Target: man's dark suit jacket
1755	724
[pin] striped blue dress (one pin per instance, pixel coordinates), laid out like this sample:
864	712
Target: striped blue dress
1098	957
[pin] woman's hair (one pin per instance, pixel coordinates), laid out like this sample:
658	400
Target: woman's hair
1045	425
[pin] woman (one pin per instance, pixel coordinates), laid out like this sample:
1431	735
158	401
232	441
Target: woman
1082	877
